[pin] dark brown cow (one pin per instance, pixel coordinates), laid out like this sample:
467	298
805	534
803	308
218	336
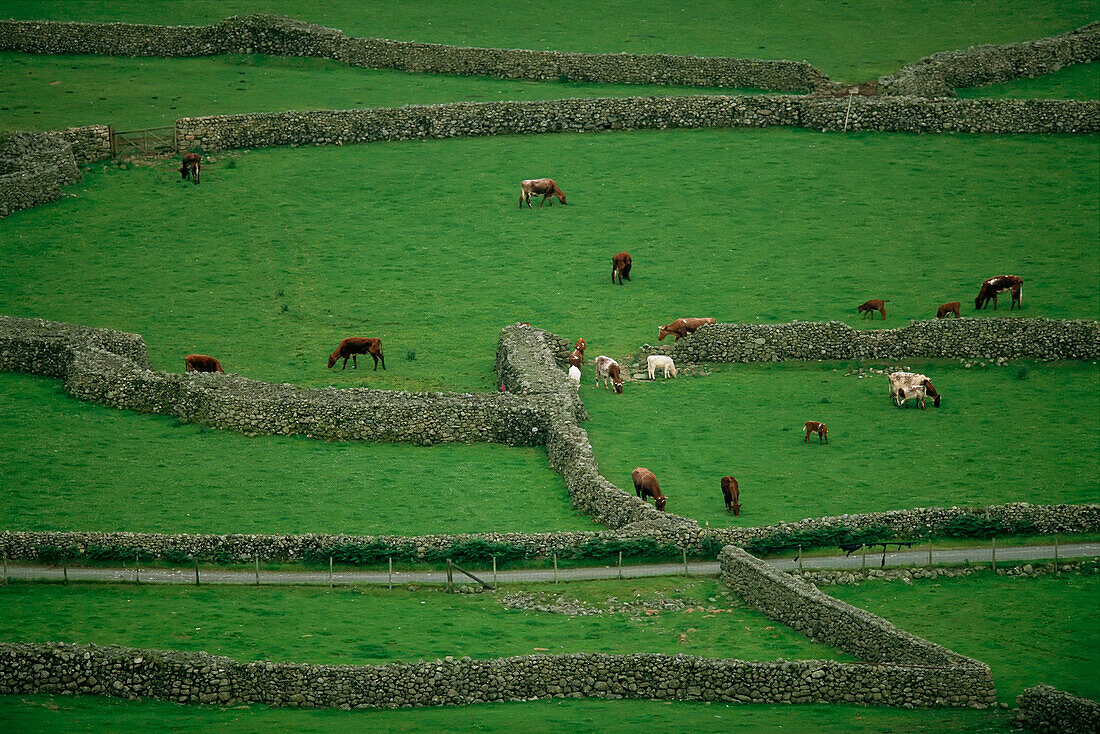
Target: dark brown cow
999	284
192	164
645	484
869	307
729	491
354	345
620	267
581	346
544	187
948	308
682	327
820	429
202	363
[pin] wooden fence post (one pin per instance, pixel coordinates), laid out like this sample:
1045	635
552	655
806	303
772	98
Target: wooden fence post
555	568
620	565
450	578
389	578
5	567
685	551
800	559
863	563
994	554
929	552
1056	555
494	570
196	570
137	564
256	558
65	570
330	572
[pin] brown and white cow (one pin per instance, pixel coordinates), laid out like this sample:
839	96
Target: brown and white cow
682	327
580	347
202	363
608	369
999	284
191	166
869	307
620	267
730	493
544	187
899	380
645	484
575	359
820	429
354	345
948	308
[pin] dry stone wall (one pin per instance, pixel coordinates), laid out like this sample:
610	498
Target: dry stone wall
33	169
1047	710
255	34
90	143
940	74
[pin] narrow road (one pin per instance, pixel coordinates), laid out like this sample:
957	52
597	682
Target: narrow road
208	575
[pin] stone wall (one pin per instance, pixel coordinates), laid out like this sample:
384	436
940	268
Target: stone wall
282	36
982	338
1047	710
33	169
90	143
940	74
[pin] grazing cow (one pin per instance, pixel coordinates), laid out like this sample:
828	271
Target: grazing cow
820	429
354	345
660	362
999	284
608	369
192	164
948	308
620	267
202	363
898	380
729	491
645	484
575	359
575	374
869	307
581	346
908	392
544	187
682	327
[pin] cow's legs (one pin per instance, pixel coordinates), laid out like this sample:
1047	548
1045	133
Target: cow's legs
345	364
355	361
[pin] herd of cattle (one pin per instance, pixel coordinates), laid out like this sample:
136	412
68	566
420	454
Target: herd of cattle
904	386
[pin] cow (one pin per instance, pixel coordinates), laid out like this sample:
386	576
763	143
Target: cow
645	484
908	392
820	429
202	363
544	187
729	491
682	327
898	380
620	267
660	362
608	369
575	374
948	308
869	307
999	284
192	164
354	345
575	359
580	347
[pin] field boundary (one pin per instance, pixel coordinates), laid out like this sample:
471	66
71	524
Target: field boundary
1047	710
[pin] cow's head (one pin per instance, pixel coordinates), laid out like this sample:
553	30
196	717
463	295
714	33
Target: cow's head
660	501
332	359
735	508
618	385
931	393
662	332
561	198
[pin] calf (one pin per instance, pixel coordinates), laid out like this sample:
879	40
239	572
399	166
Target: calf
202	363
908	392
354	345
682	327
575	359
580	347
192	164
948	308
999	284
645	484
620	267
898	380
544	187
575	374
660	362
869	307
729	491
820	429
608	369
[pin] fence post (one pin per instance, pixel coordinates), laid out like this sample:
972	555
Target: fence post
863	563
330	572
65	570
137	566
620	565
450	578
5	567
685	552
196	570
1056	555
256	559
929	553
994	547
389	578
800	559
494	570
555	568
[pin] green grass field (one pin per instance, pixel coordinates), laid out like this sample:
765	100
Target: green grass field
46	92
1080	81
851	41
1029	631
745	420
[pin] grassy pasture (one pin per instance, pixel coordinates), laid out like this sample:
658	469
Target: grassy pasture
746	420
314	244
45	92
1029	631
851	41
1080	81
70	465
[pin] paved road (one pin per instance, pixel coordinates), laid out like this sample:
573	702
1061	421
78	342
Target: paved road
218	576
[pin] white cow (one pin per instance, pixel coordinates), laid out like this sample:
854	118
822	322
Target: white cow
659	361
908	392
899	380
575	374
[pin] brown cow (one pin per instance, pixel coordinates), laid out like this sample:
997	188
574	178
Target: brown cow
820	429
575	359
645	484
202	363
192	164
544	187
620	267
608	369
869	307
999	284
682	327
729	491
948	308
354	345
581	346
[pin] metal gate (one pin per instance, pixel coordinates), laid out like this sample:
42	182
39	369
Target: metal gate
143	142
